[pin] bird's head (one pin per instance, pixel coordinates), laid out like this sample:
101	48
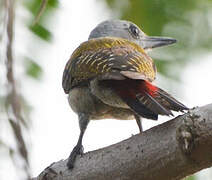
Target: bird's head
129	31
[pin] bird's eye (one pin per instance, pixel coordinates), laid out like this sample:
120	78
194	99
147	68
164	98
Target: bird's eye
134	31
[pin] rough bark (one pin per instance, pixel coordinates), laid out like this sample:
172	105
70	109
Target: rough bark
170	151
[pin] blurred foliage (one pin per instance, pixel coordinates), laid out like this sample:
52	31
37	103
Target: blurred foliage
191	178
33	69
188	21
14	108
40	31
34	7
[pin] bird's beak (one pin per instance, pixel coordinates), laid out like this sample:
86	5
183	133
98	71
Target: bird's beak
149	42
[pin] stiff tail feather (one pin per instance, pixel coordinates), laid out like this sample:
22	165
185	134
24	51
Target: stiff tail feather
146	99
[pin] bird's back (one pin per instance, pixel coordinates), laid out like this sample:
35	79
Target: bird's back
107	58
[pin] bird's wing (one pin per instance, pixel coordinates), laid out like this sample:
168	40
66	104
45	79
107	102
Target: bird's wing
107	58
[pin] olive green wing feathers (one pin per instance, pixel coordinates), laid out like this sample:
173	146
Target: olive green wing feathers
107	58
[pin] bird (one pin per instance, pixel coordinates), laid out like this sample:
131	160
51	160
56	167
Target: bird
110	76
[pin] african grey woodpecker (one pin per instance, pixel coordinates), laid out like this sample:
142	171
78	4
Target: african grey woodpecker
110	77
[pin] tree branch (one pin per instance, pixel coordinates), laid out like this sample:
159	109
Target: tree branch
172	150
13	102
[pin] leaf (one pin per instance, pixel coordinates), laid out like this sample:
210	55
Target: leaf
34	5
33	69
53	3
41	32
191	178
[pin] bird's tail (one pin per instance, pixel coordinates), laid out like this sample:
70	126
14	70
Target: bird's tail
146	99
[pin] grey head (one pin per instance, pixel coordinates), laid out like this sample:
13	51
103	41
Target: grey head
130	31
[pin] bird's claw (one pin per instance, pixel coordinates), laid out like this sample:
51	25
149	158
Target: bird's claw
78	150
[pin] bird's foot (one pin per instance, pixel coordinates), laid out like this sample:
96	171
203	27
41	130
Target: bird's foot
78	150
